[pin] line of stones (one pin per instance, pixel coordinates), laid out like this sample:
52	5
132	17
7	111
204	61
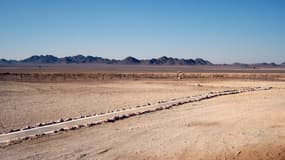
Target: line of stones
76	118
124	116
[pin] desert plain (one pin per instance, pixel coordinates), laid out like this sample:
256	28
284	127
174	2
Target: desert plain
247	125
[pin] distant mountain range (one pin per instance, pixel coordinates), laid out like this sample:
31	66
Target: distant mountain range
80	59
50	59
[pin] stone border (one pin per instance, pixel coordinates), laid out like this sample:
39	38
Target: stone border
161	106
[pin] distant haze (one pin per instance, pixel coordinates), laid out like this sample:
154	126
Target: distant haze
221	31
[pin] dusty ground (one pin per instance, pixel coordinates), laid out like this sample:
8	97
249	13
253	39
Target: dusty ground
244	126
23	104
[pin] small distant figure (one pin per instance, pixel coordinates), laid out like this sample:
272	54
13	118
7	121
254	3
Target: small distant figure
180	75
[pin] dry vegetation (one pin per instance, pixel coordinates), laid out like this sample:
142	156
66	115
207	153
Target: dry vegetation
59	77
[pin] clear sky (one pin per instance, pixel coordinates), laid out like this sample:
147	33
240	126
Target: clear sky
222	31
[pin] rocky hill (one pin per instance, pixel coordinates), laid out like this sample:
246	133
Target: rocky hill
41	59
80	59
50	59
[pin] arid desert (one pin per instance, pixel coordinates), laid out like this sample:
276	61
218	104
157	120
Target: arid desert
142	79
144	117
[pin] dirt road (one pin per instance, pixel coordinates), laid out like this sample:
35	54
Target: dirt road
24	104
28	133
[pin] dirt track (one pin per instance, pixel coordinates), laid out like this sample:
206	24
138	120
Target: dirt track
24	104
41	130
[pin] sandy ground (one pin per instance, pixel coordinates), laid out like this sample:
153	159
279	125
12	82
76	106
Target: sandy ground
243	126
23	104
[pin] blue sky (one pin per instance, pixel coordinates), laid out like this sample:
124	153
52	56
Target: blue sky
222	31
